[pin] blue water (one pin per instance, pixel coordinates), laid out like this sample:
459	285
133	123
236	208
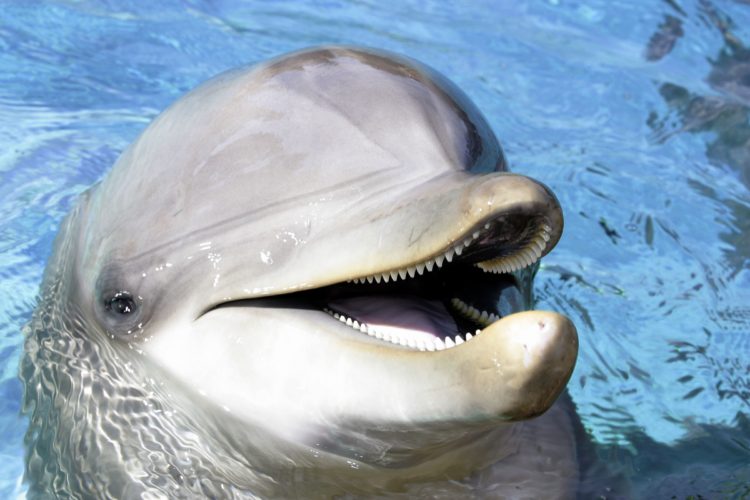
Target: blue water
637	114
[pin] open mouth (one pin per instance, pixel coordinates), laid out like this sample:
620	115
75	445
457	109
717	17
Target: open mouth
448	299
444	300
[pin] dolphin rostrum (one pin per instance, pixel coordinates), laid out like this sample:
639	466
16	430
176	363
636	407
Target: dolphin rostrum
305	278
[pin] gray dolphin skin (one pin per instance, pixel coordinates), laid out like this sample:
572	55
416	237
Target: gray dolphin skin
308	278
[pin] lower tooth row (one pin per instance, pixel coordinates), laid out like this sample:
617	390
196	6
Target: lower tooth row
419	269
525	257
437	344
481	317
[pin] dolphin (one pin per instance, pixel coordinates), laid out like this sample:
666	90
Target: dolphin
306	278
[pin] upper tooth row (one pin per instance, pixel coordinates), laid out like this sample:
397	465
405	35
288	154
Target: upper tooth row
436	344
429	265
482	317
525	257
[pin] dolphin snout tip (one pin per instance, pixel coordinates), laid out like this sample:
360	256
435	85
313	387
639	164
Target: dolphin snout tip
537	351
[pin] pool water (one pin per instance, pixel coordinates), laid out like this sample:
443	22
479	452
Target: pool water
637	115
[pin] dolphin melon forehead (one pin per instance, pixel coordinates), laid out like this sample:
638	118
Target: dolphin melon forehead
328	120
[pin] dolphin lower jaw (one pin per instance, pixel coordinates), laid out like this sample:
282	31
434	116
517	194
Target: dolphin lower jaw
246	355
315	383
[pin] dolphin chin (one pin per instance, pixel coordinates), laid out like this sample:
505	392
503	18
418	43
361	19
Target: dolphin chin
316	272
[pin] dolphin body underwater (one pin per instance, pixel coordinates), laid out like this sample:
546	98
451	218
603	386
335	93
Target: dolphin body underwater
306	278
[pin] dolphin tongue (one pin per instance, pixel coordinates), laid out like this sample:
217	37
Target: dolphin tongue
406	317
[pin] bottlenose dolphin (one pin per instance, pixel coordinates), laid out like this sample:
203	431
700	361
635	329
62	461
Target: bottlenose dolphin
305	278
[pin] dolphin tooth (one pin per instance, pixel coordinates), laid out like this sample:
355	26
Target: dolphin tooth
458	340
545	236
484	316
475	234
540	244
487	226
336	315
420	269
404	342
439	260
449	343
355	324
402	273
439	344
477	332
349	322
412	271
524	260
420	345
430	346
530	257
469	336
458	250
513	264
378	278
449	255
429	264
363	328
412	343
467	242
462	306
369	279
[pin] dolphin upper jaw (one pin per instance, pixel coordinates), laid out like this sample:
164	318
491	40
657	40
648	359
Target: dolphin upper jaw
379	235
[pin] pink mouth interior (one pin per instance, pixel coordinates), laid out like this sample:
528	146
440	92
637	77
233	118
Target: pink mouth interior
405	316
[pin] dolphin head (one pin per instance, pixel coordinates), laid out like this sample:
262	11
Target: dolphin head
328	247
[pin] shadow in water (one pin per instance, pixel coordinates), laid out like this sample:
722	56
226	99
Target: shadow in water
725	117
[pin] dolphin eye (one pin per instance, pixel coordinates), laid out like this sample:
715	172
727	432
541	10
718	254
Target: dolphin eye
121	304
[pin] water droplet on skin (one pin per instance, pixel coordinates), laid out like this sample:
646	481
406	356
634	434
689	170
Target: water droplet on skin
265	257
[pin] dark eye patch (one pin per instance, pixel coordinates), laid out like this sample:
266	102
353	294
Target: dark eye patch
121	303
118	302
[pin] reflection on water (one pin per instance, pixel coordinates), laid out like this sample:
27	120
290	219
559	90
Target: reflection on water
635	113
